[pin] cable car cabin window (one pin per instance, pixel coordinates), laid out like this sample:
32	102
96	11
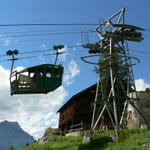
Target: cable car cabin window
37	74
48	75
31	74
56	73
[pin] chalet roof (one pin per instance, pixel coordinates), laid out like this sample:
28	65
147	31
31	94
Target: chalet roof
76	96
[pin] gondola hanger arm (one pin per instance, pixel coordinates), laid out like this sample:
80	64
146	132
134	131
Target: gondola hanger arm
57	48
12	53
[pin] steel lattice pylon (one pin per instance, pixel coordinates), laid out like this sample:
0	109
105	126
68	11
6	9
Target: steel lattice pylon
116	80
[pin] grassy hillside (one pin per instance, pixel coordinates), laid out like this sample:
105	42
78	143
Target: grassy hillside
128	140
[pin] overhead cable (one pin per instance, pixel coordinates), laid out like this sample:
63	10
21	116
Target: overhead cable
49	24
48	30
42	34
45	50
35	56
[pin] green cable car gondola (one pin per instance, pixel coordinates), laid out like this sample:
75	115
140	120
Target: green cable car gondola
40	79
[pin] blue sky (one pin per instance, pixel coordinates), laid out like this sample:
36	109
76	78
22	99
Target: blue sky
78	75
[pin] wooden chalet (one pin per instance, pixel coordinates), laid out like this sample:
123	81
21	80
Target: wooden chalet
78	109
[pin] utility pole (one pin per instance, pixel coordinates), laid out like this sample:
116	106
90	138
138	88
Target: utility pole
115	71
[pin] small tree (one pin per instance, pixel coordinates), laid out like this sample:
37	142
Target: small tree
147	90
11	147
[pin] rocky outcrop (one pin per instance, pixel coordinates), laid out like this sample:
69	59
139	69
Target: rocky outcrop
52	131
43	140
48	135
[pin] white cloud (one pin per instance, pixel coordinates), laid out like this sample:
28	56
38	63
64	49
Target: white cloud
141	85
44	46
72	71
34	113
6	42
78	44
16	40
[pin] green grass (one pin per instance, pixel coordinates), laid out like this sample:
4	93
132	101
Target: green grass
56	143
132	140
128	140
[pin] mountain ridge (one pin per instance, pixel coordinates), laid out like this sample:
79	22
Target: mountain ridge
12	133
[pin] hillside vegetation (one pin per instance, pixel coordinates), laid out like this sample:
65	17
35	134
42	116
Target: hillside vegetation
128	140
